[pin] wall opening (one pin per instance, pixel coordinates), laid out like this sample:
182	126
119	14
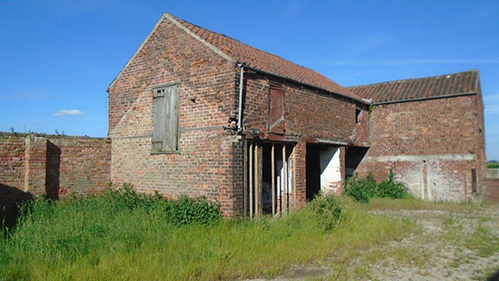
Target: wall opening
323	169
269	186
357	115
353	156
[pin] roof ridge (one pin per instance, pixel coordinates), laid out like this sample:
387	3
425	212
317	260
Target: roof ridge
237	54
224	35
413	79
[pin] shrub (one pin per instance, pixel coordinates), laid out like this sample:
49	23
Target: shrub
391	188
358	189
327	210
187	211
364	189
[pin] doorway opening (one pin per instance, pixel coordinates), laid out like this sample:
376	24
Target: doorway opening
269	185
323	169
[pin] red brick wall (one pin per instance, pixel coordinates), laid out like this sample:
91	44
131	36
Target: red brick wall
491	190
209	160
53	165
431	145
309	114
12	167
85	165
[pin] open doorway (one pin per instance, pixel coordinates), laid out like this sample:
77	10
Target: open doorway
354	155
323	169
269	186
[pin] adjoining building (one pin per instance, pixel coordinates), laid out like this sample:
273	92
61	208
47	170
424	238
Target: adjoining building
430	132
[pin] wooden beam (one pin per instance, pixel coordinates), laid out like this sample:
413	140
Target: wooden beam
273	180
245	177
257	182
285	180
251	187
295	200
260	179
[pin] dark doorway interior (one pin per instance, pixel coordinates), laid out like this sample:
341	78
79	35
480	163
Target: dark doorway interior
313	171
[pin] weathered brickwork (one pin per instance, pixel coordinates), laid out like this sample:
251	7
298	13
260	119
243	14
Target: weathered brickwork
33	165
209	160
309	114
12	167
431	145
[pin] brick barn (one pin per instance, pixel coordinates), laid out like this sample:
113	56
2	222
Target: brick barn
198	113
430	132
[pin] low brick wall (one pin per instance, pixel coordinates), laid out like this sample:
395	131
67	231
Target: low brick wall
32	165
491	185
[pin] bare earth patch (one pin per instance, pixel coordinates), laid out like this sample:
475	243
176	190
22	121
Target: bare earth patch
453	242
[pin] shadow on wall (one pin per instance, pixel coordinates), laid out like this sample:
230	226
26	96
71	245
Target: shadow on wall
53	167
10	198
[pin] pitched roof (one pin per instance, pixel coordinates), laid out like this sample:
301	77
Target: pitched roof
265	61
420	88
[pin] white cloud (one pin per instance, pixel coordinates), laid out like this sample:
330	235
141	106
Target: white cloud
69	112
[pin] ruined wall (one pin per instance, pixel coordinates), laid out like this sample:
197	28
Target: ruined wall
32	165
209	160
431	145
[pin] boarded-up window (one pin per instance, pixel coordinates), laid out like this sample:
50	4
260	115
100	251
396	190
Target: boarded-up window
277	110
165	111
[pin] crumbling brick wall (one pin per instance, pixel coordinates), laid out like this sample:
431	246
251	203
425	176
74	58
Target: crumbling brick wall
32	165
431	145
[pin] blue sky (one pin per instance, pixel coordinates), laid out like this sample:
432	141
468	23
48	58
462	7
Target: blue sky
57	58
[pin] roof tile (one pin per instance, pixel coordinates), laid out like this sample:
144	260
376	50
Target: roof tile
450	84
265	61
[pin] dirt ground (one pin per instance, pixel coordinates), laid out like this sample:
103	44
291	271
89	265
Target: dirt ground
450	244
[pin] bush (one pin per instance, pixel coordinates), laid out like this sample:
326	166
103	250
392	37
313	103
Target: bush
362	190
184	211
391	188
493	165
187	211
358	189
328	211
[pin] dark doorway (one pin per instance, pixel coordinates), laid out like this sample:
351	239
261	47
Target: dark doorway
313	171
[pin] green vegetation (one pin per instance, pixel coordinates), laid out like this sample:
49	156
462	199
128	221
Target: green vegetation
493	165
362	190
125	235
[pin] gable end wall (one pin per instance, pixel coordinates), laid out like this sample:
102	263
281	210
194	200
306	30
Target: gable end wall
207	162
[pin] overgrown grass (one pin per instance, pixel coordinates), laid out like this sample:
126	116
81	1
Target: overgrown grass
136	237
